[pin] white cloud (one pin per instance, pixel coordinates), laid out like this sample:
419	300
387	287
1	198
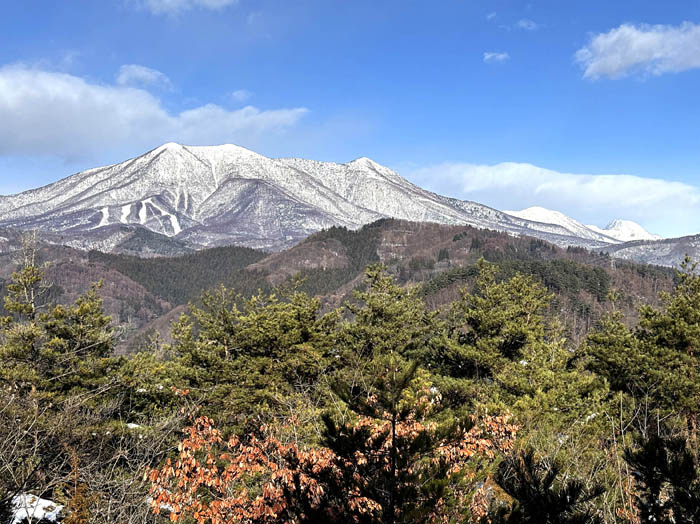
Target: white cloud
173	7
491	15
138	75
527	25
241	95
65	116
647	49
495	58
664	207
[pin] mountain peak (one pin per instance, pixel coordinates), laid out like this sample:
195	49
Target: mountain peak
535	212
628	230
364	161
618	230
549	216
220	149
619	223
227	194
168	146
367	164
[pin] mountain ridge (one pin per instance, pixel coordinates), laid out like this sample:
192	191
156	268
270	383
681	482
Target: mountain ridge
209	196
549	216
140	292
616	231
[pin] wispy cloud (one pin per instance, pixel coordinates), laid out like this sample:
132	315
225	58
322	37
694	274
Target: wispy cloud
241	95
491	15
174	7
45	113
665	207
646	49
138	75
493	57
526	24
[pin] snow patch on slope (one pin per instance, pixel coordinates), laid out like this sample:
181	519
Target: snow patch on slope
143	211
28	507
104	220
126	211
174	223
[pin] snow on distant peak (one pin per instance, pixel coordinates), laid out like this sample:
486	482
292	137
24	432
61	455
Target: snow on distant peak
209	153
168	146
368	165
217	195
549	216
617	230
224	150
625	231
364	161
541	214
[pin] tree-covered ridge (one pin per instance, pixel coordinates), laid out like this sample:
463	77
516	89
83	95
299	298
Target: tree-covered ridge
378	410
181	279
561	276
144	295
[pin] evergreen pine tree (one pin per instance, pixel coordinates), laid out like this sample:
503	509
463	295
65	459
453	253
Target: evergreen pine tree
539	496
668	484
660	358
494	324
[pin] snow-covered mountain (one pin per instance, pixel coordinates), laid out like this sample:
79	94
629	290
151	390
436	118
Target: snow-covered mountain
217	195
617	231
625	231
548	216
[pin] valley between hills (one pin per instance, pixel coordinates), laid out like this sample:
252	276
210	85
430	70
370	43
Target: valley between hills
143	295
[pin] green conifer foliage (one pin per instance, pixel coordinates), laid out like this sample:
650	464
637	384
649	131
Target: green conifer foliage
660	358
539	496
386	318
495	323
667	475
254	359
52	349
401	469
393	414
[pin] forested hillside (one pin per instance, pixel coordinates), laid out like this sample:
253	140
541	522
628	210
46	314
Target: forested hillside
181	279
280	407
143	294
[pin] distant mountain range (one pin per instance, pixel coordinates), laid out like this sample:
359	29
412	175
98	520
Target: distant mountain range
176	199
616	231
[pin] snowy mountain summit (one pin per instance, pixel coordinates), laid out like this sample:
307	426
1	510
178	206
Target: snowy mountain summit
617	231
625	231
204	196
548	216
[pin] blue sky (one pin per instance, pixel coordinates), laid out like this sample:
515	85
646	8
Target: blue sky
590	108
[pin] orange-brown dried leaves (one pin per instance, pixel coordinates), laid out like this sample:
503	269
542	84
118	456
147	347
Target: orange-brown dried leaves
213	487
265	480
